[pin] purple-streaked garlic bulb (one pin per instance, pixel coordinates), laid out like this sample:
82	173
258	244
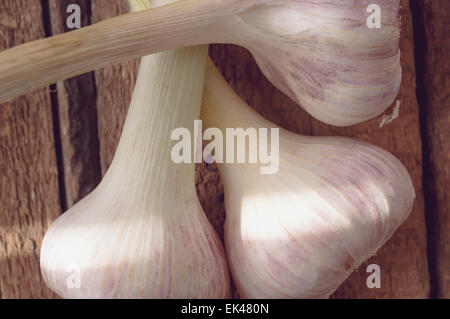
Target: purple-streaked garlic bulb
338	59
300	232
325	55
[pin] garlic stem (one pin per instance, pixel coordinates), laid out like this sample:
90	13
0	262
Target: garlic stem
38	63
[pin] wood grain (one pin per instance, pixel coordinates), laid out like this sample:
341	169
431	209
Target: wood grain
77	114
432	28
403	260
29	194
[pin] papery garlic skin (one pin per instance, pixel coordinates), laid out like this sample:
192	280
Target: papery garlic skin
324	56
142	232
301	232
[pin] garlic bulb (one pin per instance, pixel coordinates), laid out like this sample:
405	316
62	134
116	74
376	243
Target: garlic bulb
324	54
300	233
142	232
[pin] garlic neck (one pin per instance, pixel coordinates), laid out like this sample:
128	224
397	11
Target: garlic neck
223	108
164	100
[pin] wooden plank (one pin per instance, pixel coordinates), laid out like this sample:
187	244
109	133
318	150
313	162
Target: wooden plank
403	260
431	31
29	194
77	115
115	86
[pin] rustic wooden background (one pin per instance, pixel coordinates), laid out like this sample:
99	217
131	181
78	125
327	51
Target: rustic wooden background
55	144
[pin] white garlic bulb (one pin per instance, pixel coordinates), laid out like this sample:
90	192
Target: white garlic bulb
142	232
326	55
299	233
